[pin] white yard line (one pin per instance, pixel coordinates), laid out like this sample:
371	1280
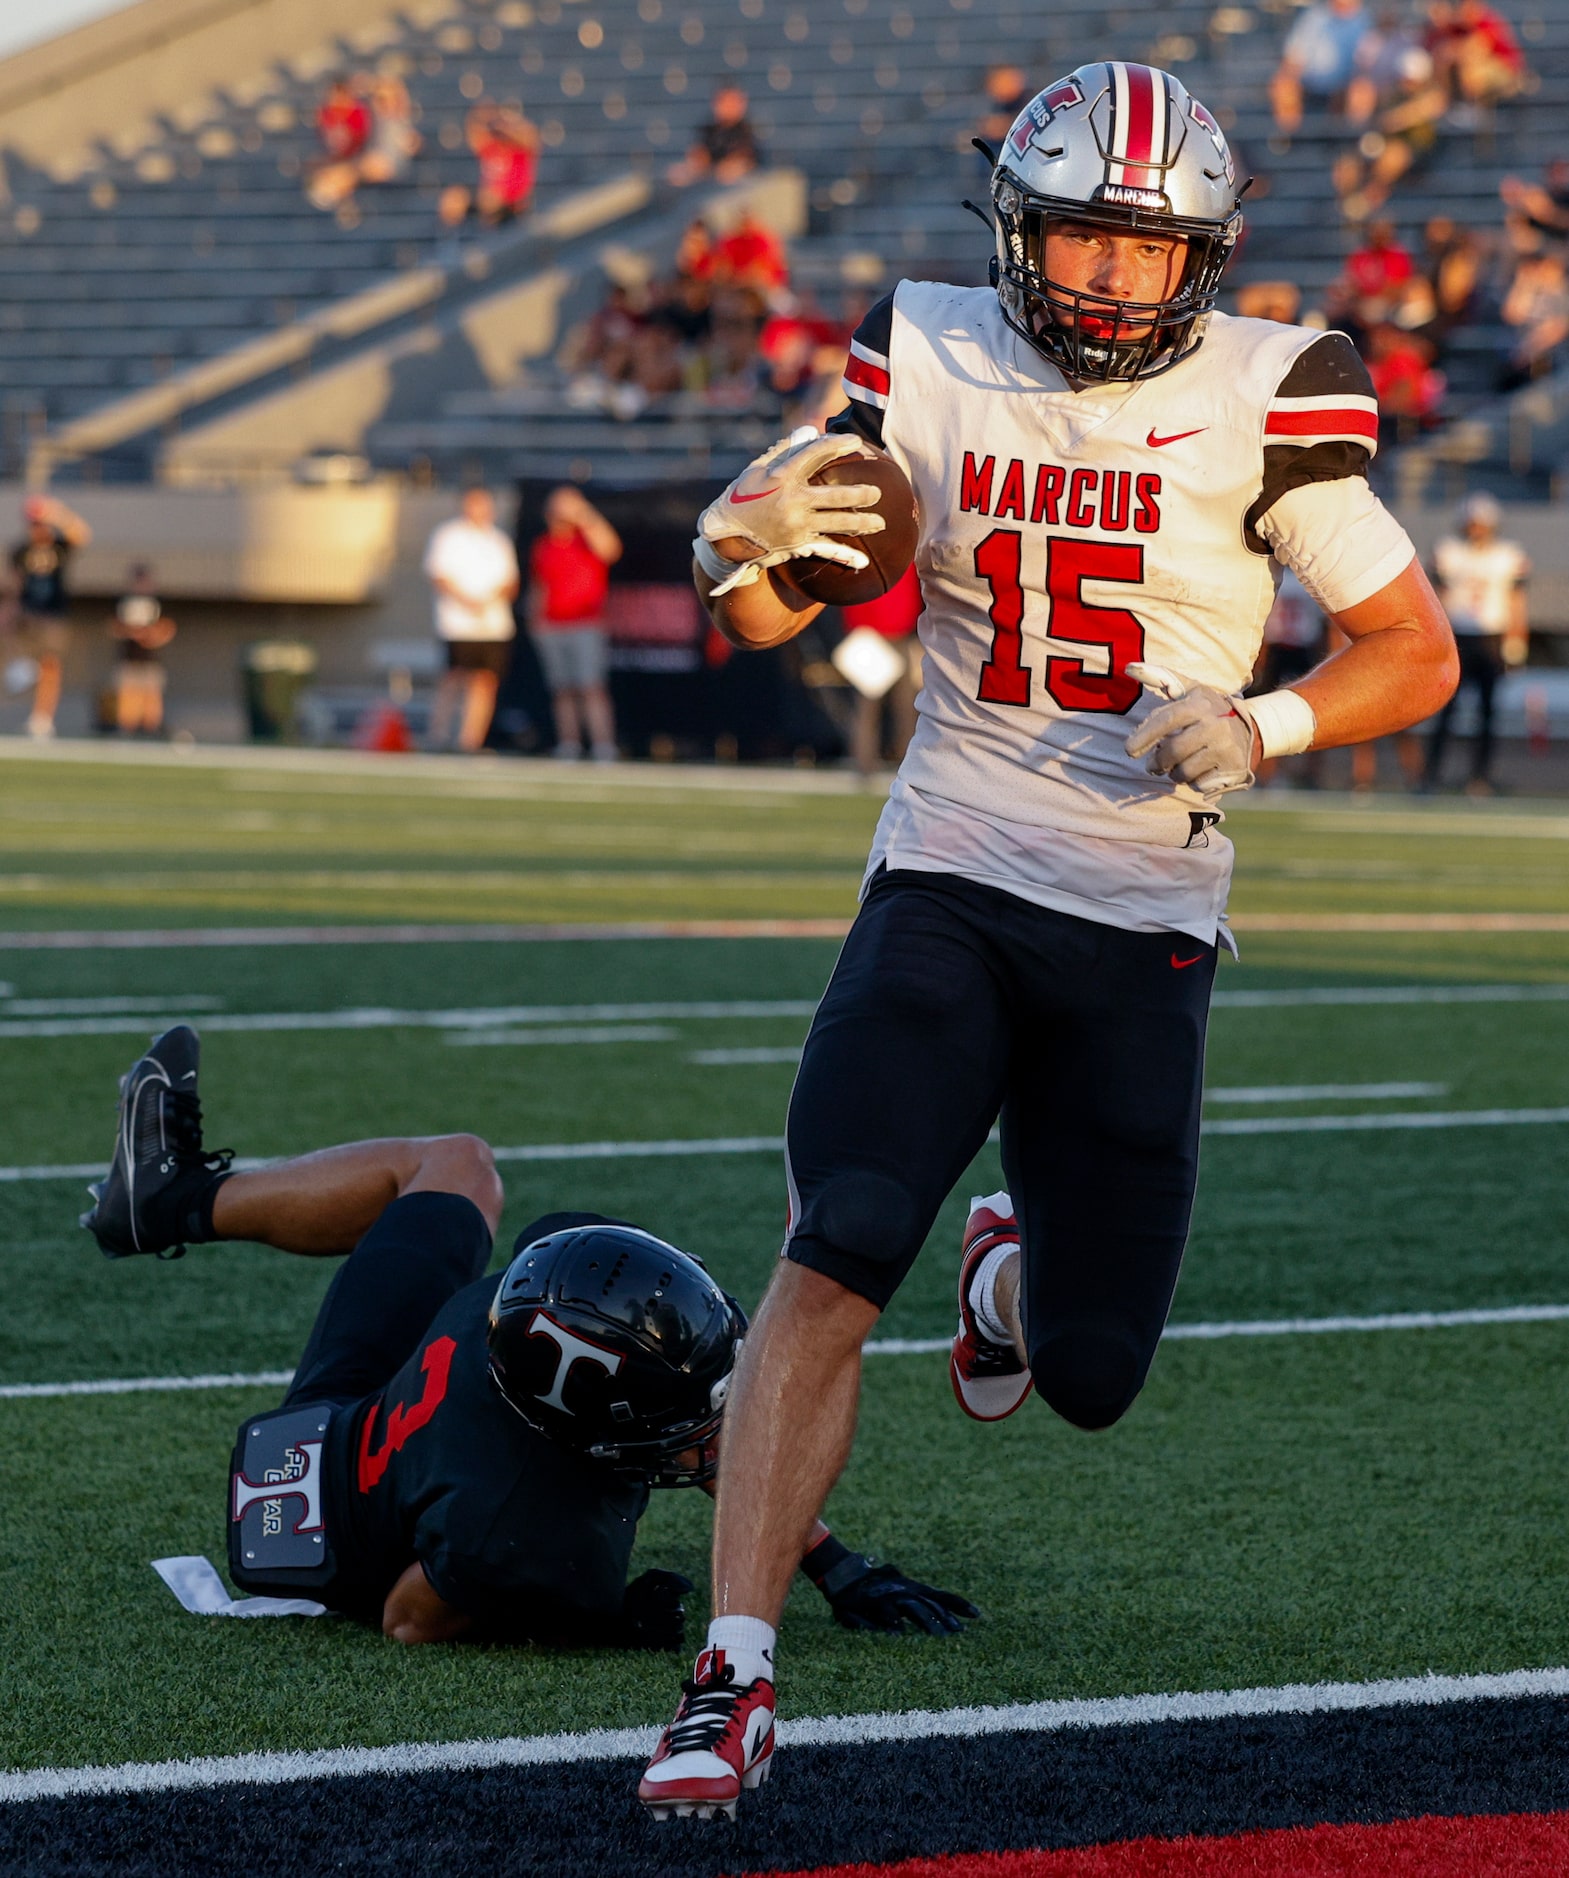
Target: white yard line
567	1033
730	1059
1389	994
1361	1124
504	933
890	1346
149	1385
103	1007
1326	1091
389	1017
774	1144
614	1744
208	937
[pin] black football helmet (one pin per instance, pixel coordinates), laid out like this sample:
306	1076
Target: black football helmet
619	1347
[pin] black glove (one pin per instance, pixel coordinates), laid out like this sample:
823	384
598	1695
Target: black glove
866	1595
652	1614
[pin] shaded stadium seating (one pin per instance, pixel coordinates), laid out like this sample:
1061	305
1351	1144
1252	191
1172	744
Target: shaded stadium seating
152	259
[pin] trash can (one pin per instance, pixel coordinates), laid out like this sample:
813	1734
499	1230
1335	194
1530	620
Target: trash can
276	672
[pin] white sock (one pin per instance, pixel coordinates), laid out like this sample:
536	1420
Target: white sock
983	1293
748	1644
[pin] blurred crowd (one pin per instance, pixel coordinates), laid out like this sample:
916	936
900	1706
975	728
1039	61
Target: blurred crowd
1398	84
724	329
366	128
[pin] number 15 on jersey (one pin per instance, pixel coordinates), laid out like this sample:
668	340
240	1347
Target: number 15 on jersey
1070	561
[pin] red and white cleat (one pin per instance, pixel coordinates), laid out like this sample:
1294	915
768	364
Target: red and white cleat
721	1741
988	1379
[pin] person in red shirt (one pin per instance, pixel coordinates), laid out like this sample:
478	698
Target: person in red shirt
506	147
1476	54
569	575
1408	389
343	122
749	254
894	617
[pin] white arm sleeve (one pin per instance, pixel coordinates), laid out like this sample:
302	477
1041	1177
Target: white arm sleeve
1338	539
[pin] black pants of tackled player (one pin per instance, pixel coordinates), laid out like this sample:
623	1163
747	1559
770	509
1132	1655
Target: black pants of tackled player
953	1003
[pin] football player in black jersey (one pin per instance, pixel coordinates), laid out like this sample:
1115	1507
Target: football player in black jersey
457	1457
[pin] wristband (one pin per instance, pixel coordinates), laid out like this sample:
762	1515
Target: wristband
1284	721
822	1562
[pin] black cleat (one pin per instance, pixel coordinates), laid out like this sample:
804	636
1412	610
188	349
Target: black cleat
157	1153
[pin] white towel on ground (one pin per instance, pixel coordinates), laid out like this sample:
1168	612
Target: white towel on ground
195	1582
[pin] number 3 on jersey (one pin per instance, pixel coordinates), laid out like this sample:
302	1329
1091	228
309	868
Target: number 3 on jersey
1005	678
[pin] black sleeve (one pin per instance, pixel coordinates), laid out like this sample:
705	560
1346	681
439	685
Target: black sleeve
874	336
1329	367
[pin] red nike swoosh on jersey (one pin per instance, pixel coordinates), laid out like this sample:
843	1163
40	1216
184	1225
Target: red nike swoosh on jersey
1159	443
764	492
1181	965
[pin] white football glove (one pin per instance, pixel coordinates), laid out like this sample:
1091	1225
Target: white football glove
776	506
1200	736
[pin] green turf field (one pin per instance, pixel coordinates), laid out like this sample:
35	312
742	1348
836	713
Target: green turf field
1275	1509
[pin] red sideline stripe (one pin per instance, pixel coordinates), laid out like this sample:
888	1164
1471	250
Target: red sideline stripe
1321	424
859	372
1501	1846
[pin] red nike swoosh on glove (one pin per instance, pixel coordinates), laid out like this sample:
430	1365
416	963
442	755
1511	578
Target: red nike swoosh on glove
1158	443
1180	965
759	496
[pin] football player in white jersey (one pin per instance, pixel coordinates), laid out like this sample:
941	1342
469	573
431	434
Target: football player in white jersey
1109	474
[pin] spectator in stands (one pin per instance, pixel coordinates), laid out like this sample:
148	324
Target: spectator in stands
1481	579
1007	91
1318	61
1406	133
1278	300
1476	55
384	157
1368	288
793	335
750	254
726	148
1452	262
1537	306
695	251
1293	645
894	618
472	567
343	121
1380	59
38	614
1538	212
141	630
506	148
1408	386
569	575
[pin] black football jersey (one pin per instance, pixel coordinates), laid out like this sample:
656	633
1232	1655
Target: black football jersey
516	1532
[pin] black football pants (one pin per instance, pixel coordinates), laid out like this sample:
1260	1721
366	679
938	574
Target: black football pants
953	1003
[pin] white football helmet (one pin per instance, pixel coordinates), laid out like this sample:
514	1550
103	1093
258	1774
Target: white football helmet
1124	147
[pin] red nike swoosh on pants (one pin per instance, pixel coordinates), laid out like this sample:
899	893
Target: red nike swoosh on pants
1181	965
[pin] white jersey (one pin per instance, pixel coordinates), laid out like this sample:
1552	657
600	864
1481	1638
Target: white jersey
1065	534
1477	580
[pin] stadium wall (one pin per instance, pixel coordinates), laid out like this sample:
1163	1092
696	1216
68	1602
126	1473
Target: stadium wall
111	80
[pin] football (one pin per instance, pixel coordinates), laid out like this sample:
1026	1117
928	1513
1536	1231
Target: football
890	553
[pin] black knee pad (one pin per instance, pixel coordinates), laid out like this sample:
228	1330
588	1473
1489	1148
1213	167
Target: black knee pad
1089	1374
866	1216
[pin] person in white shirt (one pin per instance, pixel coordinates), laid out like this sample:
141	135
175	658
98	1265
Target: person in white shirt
472	567
1482	582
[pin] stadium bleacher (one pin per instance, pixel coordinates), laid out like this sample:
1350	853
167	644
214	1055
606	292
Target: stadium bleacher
147	263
